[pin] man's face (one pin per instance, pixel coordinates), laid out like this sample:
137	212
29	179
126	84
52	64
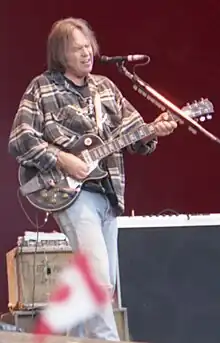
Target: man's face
80	55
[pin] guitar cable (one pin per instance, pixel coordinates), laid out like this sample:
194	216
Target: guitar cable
37	227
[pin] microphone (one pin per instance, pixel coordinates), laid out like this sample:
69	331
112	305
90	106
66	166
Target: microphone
128	58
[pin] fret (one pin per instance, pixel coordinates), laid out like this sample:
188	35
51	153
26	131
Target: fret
125	140
95	154
105	149
101	150
132	137
122	141
141	133
115	145
111	146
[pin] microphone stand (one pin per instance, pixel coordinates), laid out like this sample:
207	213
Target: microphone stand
161	102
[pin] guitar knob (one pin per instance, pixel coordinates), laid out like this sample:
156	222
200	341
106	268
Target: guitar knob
65	195
53	201
44	194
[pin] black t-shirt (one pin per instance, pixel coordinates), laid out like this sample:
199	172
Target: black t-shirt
103	186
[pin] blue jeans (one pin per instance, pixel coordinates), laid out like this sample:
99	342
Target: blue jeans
91	226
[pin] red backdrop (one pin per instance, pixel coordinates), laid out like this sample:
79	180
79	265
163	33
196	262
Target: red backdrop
182	39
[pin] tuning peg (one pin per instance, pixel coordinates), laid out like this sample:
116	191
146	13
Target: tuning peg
202	119
209	116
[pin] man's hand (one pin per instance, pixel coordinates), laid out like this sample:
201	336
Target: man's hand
73	165
164	124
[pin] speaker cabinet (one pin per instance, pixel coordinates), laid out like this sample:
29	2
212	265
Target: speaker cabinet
170	278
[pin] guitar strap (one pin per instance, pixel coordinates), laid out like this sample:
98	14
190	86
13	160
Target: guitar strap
35	184
98	112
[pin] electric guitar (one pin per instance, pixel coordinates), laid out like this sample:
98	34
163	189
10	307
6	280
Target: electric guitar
56	191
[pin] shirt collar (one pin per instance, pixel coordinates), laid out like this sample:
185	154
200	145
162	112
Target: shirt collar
59	78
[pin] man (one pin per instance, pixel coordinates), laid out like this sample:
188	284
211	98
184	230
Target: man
56	109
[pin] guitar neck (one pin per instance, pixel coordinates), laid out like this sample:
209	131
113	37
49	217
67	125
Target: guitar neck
146	131
198	109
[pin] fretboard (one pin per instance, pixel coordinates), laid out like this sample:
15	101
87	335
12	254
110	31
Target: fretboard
146	131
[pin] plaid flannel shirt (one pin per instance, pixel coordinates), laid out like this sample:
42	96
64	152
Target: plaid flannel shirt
49	119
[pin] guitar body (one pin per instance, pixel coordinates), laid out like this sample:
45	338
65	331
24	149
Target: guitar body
57	191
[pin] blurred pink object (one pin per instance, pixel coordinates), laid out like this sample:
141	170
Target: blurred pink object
77	297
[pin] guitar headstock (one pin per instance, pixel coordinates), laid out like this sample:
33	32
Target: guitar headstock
201	110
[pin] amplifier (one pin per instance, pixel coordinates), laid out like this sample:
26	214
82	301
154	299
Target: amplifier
170	277
32	273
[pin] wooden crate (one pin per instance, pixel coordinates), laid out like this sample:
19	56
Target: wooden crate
28	281
32	274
